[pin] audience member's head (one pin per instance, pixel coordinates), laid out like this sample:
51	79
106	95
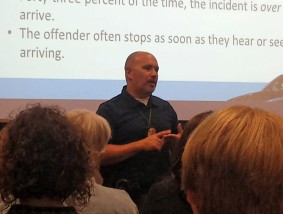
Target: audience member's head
178	150
96	133
43	158
233	163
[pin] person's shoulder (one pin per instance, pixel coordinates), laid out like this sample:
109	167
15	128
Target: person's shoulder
116	98
117	195
111	191
109	200
158	100
108	105
111	100
162	104
164	197
166	185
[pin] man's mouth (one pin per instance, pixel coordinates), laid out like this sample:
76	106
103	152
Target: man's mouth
152	82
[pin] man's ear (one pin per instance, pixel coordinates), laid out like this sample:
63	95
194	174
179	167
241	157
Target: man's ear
128	73
193	201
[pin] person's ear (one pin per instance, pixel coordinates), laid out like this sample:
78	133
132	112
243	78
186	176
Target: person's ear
129	73
193	201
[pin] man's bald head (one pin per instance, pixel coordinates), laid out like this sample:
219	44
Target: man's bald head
132	57
141	72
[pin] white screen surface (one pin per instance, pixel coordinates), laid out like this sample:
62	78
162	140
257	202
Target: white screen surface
210	50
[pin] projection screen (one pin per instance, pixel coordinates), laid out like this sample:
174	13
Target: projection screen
74	50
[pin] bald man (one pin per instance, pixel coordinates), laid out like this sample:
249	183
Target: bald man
138	153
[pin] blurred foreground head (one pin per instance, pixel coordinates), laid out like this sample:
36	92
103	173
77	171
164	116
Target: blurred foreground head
94	129
233	163
43	158
96	133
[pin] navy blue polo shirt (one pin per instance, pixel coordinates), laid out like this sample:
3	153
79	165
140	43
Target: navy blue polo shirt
130	120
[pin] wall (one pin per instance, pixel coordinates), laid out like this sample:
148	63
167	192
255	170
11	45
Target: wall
184	109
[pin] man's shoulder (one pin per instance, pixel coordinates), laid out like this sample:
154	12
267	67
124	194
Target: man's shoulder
159	101
112	100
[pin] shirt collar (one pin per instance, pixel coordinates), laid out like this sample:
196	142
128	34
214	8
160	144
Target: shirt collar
133	102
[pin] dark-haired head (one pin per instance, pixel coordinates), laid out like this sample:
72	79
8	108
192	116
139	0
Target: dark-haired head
42	157
178	150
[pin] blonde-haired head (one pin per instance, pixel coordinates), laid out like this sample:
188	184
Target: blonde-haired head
95	131
94	128
233	162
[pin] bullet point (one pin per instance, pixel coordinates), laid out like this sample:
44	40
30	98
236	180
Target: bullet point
9	32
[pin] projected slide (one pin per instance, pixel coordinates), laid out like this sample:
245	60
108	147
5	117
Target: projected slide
211	50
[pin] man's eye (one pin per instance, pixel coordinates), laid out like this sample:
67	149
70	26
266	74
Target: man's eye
150	67
147	67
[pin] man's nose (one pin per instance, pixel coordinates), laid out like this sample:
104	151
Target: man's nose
153	72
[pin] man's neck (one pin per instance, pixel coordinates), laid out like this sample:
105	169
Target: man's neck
137	95
144	101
